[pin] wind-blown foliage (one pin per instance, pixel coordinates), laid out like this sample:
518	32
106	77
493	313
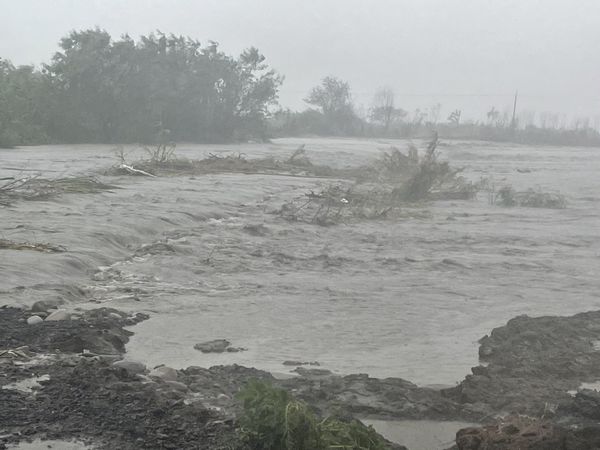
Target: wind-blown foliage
274	420
22	99
96	89
334	102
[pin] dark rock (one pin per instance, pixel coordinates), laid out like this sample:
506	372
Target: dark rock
132	367
96	331
217	346
256	229
300	363
59	314
164	373
525	433
46	305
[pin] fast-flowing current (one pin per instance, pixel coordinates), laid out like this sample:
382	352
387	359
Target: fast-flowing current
408	297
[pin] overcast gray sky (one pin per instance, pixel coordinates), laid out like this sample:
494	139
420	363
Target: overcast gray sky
465	54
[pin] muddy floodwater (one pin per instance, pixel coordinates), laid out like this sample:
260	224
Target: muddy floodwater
405	298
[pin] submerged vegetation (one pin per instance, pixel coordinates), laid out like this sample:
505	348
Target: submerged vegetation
37	188
531	198
383	189
273	420
6	244
163	160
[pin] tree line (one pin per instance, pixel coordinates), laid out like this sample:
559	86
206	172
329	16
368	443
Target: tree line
332	112
168	87
96	89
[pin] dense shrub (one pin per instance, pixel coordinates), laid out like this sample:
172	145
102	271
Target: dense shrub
96	89
273	420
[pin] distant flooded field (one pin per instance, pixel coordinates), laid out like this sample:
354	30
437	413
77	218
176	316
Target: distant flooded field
404	297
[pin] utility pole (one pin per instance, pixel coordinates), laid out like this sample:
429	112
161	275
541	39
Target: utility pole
513	123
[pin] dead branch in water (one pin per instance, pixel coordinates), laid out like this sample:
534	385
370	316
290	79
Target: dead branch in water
133	171
391	183
37	188
6	244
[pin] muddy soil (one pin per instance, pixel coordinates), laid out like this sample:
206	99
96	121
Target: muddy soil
65	381
546	371
537	366
78	393
98	331
84	396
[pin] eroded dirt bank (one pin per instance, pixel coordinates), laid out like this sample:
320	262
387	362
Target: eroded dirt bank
66	379
62	380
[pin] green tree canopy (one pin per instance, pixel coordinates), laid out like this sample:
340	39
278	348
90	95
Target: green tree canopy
96	89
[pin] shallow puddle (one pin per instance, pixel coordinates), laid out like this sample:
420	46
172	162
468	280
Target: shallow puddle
419	434
51	444
27	385
594	386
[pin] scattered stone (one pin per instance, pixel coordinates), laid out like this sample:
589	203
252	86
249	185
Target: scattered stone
218	346
89	400
300	363
96	331
34	320
177	385
132	367
526	433
164	373
46	305
236	349
256	229
59	314
312	372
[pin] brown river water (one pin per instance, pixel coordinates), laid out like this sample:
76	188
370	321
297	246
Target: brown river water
405	298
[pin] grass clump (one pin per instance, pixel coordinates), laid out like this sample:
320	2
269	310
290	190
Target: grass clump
392	182
162	160
434	180
339	202
273	420
37	188
6	244
531	198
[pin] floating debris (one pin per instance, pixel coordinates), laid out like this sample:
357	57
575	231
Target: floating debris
6	244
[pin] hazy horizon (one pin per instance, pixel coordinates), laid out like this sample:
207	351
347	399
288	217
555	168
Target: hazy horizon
469	55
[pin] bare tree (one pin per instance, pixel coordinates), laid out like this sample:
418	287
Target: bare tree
493	115
384	110
454	117
434	113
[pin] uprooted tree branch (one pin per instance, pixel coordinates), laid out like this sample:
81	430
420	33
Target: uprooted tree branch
392	182
37	188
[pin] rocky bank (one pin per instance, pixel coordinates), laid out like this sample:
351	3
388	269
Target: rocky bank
66	378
